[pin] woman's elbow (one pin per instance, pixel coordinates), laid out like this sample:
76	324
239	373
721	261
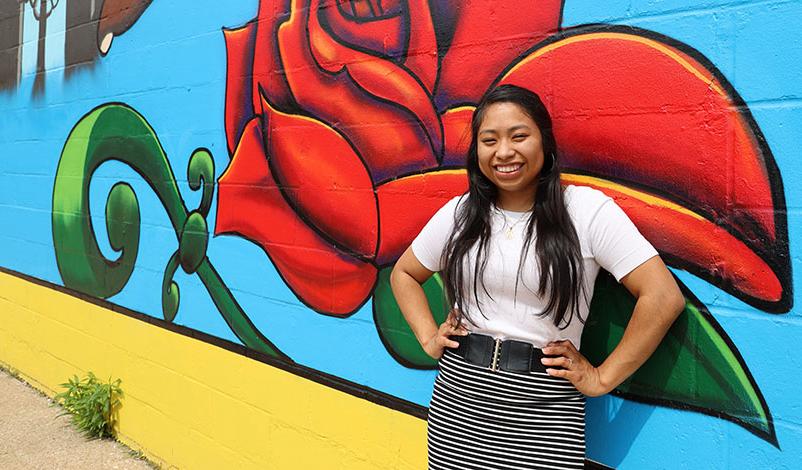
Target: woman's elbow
397	276
394	276
675	300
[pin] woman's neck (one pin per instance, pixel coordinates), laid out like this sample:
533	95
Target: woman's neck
515	202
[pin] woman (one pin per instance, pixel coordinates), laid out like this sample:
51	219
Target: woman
511	386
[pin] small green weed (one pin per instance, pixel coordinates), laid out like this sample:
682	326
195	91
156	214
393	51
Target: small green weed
91	403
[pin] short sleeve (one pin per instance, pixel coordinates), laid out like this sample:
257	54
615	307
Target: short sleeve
428	246
616	243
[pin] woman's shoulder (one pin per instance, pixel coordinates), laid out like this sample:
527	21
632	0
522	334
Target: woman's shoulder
584	198
448	211
583	203
455	203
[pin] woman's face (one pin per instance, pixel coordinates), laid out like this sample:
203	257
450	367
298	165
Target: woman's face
510	150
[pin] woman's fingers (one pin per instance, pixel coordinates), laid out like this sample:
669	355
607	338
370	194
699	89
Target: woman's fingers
565	356
446	342
561	361
447	329
564	373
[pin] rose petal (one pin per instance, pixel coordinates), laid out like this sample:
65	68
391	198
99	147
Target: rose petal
426	193
456	134
384	35
377	105
481	37
268	71
324	179
689	241
388	29
633	109
632	101
239	74
250	204
421	54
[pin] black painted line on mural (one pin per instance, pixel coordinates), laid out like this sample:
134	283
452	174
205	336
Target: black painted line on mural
322	378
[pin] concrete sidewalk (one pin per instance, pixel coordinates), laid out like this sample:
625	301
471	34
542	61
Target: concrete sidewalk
32	436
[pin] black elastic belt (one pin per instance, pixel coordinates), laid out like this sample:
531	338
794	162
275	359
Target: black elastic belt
508	355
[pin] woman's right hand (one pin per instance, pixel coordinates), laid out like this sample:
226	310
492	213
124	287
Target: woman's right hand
435	346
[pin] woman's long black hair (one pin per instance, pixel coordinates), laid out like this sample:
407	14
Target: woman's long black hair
557	248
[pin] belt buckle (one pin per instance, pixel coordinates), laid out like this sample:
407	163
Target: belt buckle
494	363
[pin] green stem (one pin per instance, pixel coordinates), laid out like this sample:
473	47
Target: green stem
236	318
116	132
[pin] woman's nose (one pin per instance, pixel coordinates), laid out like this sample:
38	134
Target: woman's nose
504	149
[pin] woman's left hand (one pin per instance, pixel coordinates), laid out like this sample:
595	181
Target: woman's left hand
585	377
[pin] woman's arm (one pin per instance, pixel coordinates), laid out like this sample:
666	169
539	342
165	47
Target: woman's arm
405	280
659	302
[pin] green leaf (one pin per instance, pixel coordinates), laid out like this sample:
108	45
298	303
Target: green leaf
696	366
394	331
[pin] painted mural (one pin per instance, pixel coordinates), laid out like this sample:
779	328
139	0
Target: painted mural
335	129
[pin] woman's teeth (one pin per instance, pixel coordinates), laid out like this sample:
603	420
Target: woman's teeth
508	168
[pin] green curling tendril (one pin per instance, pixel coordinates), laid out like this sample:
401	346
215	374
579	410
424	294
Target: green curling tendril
171	294
116	132
200	171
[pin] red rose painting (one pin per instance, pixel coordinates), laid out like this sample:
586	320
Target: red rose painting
347	121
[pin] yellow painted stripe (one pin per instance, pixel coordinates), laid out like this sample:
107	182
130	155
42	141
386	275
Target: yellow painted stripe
647	198
709	81
457	172
458	109
189	404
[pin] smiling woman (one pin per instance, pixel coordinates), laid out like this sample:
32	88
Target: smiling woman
511	382
511	157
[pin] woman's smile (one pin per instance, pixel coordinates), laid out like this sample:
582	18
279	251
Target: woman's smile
512	170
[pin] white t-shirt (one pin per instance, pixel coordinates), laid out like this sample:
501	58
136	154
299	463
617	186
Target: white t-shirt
607	238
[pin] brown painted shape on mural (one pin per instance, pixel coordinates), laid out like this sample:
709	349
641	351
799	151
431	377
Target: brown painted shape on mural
117	17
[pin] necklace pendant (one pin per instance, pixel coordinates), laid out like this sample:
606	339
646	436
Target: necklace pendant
509	233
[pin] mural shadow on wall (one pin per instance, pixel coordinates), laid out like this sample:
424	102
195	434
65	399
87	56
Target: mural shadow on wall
618	427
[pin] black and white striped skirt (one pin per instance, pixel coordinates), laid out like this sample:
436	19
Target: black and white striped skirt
481	419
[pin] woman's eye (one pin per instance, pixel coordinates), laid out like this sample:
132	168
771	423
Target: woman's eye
489	141
519	137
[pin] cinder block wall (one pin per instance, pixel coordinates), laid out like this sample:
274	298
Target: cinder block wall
205	200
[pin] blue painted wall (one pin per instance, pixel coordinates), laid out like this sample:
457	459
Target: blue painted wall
171	67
